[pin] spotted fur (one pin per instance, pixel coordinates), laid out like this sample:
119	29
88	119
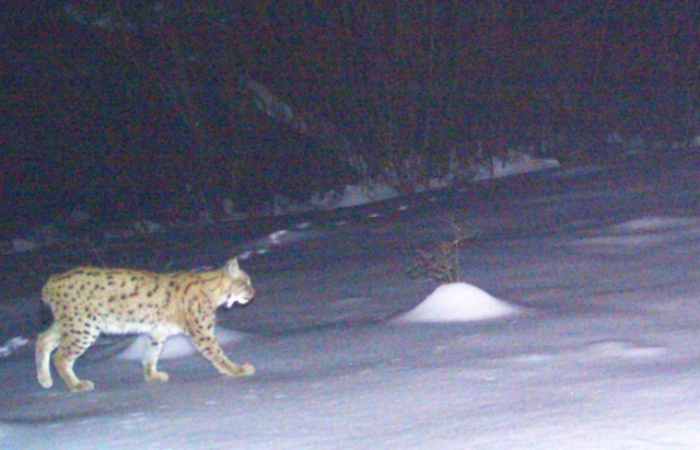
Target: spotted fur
88	301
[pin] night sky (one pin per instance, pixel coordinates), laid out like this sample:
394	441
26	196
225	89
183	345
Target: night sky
114	107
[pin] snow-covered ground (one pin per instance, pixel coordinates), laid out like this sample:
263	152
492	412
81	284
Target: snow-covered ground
578	329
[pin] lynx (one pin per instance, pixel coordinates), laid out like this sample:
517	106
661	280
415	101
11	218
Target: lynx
88	301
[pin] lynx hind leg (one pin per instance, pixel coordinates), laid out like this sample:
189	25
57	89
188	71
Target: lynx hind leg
150	359
46	343
206	344
70	349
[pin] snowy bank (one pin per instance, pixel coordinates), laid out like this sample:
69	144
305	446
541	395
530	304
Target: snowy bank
514	163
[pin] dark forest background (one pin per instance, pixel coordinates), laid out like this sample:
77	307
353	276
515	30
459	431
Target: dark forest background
122	108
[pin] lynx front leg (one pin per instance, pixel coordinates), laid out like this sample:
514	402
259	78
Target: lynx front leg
206	344
150	359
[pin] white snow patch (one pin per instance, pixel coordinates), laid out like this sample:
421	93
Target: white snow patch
514	163
13	344
657	223
264	245
617	349
245	255
177	346
458	302
598	351
365	193
276	237
628	241
24	245
645	232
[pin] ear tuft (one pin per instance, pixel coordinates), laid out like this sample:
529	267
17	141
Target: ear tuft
233	267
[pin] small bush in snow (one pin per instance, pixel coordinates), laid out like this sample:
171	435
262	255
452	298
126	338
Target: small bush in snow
441	261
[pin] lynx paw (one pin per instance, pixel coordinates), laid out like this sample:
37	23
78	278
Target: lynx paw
82	386
248	370
157	376
45	381
244	370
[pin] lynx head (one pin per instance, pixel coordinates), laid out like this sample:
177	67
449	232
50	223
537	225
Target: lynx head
235	286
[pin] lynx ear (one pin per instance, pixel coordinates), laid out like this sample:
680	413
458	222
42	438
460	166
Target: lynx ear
233	267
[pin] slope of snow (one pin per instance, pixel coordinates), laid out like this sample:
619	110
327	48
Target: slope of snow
458	302
606	358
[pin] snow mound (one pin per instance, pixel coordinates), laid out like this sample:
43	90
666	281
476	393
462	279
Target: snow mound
177	346
458	302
